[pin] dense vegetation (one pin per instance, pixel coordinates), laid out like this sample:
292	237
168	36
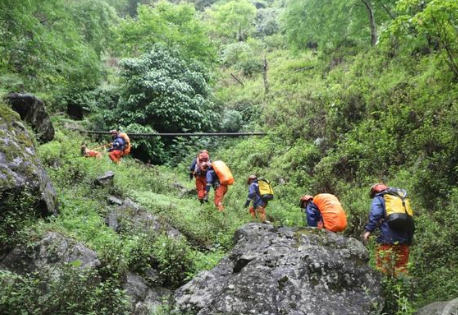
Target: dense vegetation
350	92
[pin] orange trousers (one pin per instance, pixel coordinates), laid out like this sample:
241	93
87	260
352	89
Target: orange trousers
392	259
116	156
93	154
220	191
201	182
260	211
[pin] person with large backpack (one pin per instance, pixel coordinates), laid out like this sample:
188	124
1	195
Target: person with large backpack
198	170
117	148
392	215
120	146
260	192
219	177
324	211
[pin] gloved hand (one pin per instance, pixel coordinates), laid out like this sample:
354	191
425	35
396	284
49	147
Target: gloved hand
247	203
206	197
191	175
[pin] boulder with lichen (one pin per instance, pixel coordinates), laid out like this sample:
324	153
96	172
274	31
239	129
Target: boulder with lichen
287	271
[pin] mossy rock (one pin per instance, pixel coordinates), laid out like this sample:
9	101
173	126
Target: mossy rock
25	188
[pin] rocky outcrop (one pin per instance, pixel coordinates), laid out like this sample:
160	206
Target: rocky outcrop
144	299
51	250
24	184
131	218
440	308
32	110
286	271
106	179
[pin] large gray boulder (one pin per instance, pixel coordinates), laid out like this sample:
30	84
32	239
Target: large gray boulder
53	249
440	308
144	299
287	271
32	110
25	188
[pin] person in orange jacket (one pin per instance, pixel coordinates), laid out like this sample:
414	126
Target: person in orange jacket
198	170
117	147
220	189
90	153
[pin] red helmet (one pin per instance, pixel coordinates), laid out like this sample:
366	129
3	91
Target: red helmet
304	200
251	178
377	188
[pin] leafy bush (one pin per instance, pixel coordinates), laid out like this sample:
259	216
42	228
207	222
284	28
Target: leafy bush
174	260
232	121
17	211
161	91
74	291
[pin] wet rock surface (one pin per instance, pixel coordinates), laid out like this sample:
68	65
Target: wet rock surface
144	299
287	271
32	110
23	181
440	308
53	249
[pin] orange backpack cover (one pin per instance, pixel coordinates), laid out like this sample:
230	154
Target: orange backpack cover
127	140
333	214
223	172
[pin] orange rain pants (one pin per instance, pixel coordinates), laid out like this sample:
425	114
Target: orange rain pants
220	191
201	183
260	211
392	259
93	154
116	156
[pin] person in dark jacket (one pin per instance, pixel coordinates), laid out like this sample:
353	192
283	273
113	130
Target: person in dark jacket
117	147
220	189
198	170
392	253
312	213
258	209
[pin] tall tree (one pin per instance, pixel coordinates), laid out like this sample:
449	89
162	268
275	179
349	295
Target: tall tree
234	19
334	21
164	92
432	23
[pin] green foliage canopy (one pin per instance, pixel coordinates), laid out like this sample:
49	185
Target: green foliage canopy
433	24
161	91
234	19
332	22
54	43
174	25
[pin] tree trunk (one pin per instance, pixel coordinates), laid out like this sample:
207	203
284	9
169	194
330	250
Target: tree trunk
264	75
372	23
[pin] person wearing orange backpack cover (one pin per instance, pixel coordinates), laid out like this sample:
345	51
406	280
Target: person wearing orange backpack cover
324	211
220	189
120	146
392	253
198	170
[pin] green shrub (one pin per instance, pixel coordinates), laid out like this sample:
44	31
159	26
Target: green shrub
74	291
